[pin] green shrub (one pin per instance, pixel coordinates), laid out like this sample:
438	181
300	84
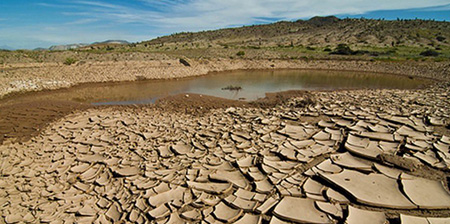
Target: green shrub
343	49
429	53
240	53
440	38
70	61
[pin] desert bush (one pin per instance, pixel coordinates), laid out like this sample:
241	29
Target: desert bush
429	53
70	61
440	38
240	53
343	49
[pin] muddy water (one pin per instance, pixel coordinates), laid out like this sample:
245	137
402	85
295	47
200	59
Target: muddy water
254	85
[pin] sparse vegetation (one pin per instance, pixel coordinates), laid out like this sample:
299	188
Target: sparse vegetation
240	53
440	38
232	88
70	61
343	49
429	53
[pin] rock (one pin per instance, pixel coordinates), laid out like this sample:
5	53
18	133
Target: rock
181	148
388	171
13	218
159	212
349	161
335	196
329	167
373	189
234	177
427	194
249	219
127	171
225	213
267	205
357	216
184	62
300	210
334	210
407	219
213	188
166	197
114	213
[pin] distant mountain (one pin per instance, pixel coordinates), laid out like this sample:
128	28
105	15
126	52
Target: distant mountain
6	47
66	47
112	42
40	49
76	46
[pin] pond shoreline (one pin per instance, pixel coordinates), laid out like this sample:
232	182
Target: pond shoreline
20	78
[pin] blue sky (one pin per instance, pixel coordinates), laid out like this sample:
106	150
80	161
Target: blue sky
29	24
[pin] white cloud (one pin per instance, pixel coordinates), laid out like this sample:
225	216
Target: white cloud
207	14
160	17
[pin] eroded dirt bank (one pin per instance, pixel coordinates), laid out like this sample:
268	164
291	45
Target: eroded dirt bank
38	76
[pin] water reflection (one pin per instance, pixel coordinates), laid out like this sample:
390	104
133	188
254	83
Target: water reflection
254	85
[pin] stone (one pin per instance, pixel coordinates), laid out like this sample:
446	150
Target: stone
433	220
313	187
13	218
388	171
225	213
263	186
166	197
335	196
275	220
114	213
234	177
349	161
373	189
192	215
127	171
175	219
300	210
334	210
159	212
329	167
427	194
357	216
267	205
213	188
249	219
408	219
181	148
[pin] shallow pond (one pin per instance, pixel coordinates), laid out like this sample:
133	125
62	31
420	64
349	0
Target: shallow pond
253	84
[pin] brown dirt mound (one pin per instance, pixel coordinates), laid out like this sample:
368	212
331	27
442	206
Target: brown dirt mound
23	120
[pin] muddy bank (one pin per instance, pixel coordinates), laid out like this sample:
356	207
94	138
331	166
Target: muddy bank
23	120
38	76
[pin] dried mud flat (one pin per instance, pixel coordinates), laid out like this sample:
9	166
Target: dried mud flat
362	156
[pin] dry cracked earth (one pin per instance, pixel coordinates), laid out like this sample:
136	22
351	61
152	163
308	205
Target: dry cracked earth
365	156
